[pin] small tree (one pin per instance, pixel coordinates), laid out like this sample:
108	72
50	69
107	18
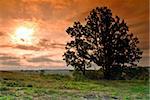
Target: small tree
103	40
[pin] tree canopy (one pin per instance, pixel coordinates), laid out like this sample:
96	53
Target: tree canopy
104	40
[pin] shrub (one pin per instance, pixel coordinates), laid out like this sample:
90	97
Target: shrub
78	76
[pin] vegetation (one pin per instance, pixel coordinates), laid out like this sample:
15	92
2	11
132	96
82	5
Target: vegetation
103	40
29	86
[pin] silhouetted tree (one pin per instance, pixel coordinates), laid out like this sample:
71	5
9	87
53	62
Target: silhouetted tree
103	40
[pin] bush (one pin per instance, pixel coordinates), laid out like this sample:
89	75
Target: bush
117	73
94	74
141	73
78	76
60	77
12	84
4	89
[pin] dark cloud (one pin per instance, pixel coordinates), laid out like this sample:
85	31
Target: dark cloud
42	59
11	63
47	44
43	44
10	60
7	57
28	47
22	47
57	45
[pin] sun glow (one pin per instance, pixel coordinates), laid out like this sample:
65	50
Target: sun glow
24	34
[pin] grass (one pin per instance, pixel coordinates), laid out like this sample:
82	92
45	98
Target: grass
26	86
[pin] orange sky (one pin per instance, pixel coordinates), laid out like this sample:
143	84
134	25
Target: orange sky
50	19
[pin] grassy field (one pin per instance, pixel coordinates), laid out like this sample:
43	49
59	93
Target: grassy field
35	86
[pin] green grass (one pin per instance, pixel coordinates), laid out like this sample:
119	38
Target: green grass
25	86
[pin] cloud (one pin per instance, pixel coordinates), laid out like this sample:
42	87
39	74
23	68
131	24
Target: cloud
8	57
29	61
42	45
39	9
138	24
2	34
6	46
145	61
47	44
43	59
11	63
9	60
28	47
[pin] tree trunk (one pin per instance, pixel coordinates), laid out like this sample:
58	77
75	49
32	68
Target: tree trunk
107	73
84	71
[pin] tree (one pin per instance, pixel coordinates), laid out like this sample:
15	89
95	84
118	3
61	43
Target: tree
104	40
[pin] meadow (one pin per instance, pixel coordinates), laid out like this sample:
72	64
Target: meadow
37	86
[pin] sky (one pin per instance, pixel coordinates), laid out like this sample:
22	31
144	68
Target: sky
32	32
